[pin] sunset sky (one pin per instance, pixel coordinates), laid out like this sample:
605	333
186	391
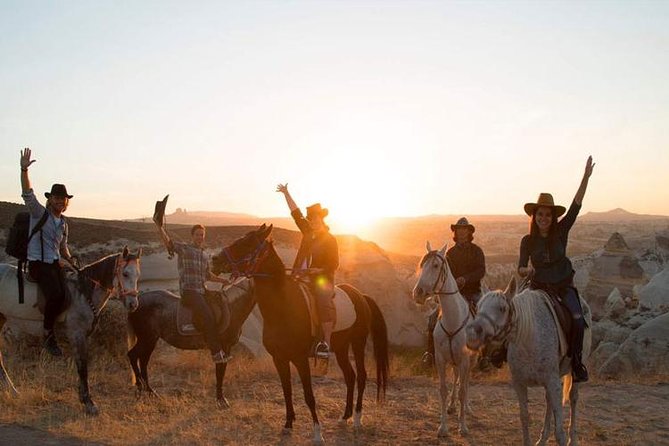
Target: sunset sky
374	108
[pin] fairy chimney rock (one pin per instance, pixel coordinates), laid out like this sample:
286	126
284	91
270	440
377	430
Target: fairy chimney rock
616	267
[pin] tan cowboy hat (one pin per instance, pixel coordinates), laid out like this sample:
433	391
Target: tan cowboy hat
545	199
463	223
316	210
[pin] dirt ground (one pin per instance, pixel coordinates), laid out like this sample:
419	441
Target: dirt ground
47	410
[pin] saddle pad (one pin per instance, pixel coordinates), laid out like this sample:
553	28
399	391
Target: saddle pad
344	309
185	324
561	333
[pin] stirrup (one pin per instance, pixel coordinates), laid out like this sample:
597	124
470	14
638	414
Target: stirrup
579	373
220	357
322	350
427	359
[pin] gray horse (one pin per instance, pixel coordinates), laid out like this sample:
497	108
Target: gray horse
89	291
536	355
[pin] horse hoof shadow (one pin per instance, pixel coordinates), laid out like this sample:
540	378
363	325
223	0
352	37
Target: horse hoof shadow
222	403
92	411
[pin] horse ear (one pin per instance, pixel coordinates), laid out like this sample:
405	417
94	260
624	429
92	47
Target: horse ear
442	251
125	252
427	246
510	290
262	228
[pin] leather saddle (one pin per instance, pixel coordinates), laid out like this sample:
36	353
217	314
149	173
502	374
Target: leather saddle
217	304
564	317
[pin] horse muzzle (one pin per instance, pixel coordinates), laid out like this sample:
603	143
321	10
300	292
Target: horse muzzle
419	296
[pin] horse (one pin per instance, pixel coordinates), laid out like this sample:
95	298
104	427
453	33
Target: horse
156	318
287	333
89	290
436	279
534	354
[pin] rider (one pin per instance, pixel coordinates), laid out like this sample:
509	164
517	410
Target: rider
467	263
194	271
551	269
48	249
318	255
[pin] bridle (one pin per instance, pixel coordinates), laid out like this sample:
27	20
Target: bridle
499	333
248	265
442	277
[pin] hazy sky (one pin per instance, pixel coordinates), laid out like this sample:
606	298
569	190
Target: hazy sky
371	107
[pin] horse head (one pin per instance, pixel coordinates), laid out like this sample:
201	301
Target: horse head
434	272
126	277
493	319
244	255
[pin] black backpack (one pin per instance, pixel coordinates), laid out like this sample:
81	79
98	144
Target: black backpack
17	242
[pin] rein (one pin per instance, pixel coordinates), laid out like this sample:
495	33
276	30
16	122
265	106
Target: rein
248	265
499	334
437	290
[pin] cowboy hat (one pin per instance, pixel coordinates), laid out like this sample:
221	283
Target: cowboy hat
545	199
463	223
59	190
315	210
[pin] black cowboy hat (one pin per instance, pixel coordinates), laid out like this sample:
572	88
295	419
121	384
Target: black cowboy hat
315	210
59	190
545	200
463	223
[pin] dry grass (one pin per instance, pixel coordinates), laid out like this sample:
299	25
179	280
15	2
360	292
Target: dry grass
185	413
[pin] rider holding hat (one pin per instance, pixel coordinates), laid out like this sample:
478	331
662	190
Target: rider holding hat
47	248
551	269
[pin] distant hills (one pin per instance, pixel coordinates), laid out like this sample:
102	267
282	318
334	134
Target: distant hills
619	215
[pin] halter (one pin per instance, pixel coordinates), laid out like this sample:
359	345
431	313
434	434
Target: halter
436	290
499	334
248	265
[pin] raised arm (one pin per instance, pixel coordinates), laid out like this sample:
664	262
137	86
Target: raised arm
580	193
25	163
283	188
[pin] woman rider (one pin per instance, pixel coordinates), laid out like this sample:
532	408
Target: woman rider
551	269
318	256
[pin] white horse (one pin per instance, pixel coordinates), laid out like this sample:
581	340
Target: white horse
449	334
89	291
534	353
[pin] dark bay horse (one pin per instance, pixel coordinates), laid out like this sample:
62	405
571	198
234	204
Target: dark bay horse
287	326
156	318
89	291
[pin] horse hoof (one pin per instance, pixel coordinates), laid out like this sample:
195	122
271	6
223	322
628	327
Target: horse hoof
342	421
92	411
318	440
464	430
287	431
223	403
443	432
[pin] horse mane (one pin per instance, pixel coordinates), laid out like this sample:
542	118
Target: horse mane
102	271
524	306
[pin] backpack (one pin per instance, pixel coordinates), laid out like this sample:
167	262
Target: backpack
20	235
17	242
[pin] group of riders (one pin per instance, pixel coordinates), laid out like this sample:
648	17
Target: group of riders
542	259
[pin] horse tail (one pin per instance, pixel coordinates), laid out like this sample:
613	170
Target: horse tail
567	382
380	339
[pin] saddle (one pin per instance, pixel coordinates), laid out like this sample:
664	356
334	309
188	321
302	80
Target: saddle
186	325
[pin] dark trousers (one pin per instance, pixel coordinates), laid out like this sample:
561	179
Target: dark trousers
203	318
51	281
572	302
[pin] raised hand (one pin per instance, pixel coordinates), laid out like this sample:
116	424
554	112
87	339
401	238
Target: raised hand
25	158
283	188
589	165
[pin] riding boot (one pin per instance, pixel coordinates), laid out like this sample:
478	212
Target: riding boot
428	356
50	344
578	370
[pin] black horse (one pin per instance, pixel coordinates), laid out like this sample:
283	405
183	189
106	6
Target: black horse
156	318
287	326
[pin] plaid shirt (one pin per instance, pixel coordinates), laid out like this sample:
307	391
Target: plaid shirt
193	266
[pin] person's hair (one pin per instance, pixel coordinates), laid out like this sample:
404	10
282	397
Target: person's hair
470	238
534	228
195	228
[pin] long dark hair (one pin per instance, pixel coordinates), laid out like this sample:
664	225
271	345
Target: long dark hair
534	228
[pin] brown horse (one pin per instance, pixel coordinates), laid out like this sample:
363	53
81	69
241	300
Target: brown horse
287	326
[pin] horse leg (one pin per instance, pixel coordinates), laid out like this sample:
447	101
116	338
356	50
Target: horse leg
545	431
78	342
454	389
221	400
341	353
359	355
521	393
464	387
4	376
283	368
443	395
305	376
145	351
554	397
573	399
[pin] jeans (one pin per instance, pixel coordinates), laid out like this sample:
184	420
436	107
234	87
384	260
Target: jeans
203	319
